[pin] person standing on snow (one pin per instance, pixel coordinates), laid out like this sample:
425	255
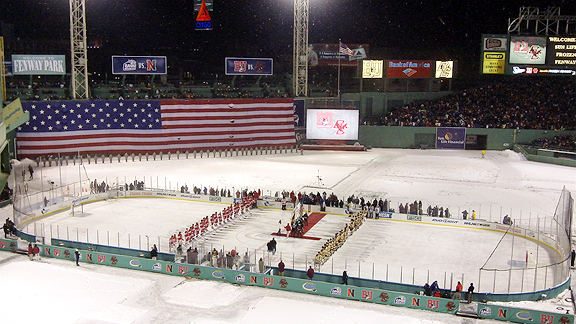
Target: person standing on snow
261	265
427	291
154	252
77	255
30	251
281	267
470	292
310	273
434	287
458	293
247	260
273	245
345	277
37	251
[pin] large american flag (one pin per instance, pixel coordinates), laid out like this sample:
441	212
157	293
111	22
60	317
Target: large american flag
148	126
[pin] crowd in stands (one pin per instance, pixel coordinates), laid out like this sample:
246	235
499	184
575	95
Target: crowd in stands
561	143
521	103
36	91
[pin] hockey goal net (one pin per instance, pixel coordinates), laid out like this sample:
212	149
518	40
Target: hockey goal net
76	209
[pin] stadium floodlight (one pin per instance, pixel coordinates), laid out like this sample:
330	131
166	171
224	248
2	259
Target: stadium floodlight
300	50
78	49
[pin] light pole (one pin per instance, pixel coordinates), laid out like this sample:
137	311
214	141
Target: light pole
78	49
300	55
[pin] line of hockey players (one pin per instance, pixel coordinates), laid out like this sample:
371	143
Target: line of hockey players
339	238
209	223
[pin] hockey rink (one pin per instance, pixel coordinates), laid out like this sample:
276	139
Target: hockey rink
381	249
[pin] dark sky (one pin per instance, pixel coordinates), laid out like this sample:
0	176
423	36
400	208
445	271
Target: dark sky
263	28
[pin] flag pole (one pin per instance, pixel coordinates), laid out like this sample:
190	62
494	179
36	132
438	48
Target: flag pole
339	45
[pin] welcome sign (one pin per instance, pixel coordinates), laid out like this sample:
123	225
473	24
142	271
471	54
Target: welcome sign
38	64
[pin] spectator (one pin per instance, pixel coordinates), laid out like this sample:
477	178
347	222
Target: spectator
310	273
427	290
154	252
458	292
470	292
37	251
434	287
30	252
281	267
77	257
261	265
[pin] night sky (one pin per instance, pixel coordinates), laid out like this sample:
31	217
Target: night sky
261	28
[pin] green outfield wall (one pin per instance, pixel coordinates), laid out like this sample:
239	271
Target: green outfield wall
424	137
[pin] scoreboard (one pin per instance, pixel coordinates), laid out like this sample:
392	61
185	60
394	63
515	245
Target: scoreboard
562	51
522	54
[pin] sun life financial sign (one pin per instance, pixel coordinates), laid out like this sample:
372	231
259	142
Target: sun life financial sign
451	138
38	64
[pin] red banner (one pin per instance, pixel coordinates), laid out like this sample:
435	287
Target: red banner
409	69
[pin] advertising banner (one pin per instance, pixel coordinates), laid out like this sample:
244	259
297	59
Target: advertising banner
38	64
139	64
249	66
329	55
494	43
493	62
533	70
409	69
527	50
313	287
372	69
518	315
333	124
203	19
8	245
444	69
299	105
12	112
451	138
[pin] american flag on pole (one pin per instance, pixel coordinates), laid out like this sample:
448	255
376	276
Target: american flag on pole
345	50
148	126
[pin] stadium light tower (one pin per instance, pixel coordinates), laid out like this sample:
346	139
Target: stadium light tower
78	49
300	59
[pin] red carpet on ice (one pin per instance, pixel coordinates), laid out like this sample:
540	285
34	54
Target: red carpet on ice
313	219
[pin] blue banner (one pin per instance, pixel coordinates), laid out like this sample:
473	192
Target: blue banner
299	114
249	66
451	138
139	65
